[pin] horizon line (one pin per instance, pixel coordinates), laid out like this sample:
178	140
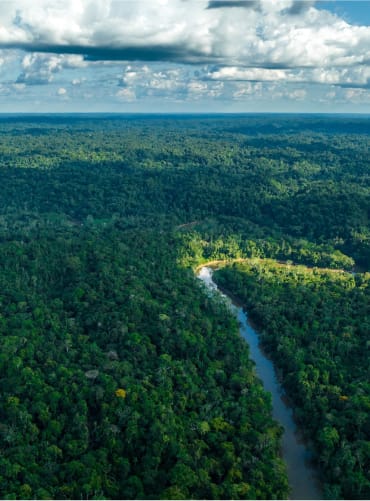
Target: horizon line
181	113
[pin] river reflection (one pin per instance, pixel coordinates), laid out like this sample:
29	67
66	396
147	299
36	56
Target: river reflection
302	477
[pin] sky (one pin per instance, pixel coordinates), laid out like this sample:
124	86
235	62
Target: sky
173	56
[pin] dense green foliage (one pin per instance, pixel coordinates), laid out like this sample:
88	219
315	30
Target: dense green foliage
316	324
86	314
282	178
120	378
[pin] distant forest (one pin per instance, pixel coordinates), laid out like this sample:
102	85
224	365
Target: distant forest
120	378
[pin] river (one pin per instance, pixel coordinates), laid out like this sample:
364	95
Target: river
302	477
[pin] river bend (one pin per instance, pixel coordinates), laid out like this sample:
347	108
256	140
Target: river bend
302	477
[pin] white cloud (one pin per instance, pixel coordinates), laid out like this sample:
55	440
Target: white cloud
358	95
249	74
40	68
267	36
19	86
298	94
145	80
268	49
126	95
169	82
78	81
358	75
197	87
247	90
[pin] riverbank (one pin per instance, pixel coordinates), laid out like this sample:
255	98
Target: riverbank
315	326
216	263
302	477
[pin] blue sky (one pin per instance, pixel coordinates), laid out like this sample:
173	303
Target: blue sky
184	56
353	11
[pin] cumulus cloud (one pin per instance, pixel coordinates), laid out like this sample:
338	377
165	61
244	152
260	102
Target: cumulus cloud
184	50
40	68
167	81
197	88
247	90
250	74
127	95
357	95
358	76
299	7
298	94
267	34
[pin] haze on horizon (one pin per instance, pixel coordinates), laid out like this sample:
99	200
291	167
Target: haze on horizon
184	56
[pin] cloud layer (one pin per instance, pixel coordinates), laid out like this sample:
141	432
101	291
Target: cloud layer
265	34
284	42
